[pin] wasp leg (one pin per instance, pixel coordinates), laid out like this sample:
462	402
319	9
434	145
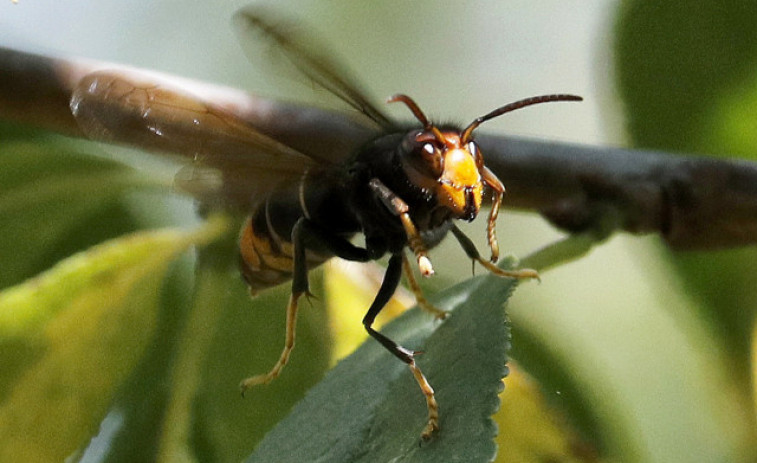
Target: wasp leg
304	235
499	190
472	252
288	346
335	244
399	208
391	280
299	287
423	303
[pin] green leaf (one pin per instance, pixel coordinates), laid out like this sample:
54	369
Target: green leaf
183	398
73	334
369	407
51	198
674	62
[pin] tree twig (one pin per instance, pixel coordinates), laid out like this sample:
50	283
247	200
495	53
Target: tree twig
692	202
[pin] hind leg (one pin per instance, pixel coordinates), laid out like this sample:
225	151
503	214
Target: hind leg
304	235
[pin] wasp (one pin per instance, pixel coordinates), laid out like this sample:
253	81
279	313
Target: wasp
403	190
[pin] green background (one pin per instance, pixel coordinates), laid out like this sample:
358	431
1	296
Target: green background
634	353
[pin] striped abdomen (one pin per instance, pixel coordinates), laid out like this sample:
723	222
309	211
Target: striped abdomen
265	244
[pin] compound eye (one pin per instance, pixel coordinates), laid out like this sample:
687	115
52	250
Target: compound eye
473	150
429	149
430	159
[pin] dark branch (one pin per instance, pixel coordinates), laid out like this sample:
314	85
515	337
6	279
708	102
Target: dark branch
692	202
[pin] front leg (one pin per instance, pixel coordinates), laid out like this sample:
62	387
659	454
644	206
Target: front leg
472	252
398	207
388	286
499	190
423	303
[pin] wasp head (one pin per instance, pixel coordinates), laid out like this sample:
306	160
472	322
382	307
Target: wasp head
447	164
445	169
444	164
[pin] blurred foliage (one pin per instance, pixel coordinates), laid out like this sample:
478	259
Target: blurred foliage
140	352
687	74
65	334
33	180
57	200
531	430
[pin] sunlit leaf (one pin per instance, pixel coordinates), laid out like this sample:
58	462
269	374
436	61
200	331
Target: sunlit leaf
74	334
531	430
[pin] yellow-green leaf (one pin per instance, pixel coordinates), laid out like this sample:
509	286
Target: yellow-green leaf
73	334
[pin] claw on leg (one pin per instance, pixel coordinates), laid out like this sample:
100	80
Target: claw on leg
391	280
291	324
472	252
520	274
432	424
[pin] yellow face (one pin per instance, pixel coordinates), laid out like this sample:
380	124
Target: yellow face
439	164
460	187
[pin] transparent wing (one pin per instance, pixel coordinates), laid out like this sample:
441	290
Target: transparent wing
229	159
307	56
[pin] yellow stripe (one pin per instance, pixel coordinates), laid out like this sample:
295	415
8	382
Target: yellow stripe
247	246
265	251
